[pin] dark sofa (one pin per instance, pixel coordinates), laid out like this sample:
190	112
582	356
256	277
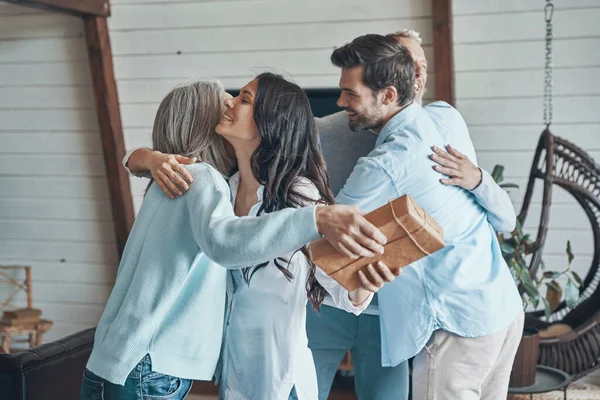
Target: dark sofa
51	371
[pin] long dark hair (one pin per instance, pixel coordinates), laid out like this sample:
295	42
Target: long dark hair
289	150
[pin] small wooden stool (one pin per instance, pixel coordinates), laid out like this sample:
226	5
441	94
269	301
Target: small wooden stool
35	330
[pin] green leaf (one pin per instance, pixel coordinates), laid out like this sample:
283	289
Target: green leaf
535	301
577	278
571	294
569	252
547	308
507	247
551	275
520	261
498	173
518	232
515	269
532	292
528	285
516	239
526	277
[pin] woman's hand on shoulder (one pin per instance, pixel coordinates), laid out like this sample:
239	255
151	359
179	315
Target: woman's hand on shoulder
169	173
458	168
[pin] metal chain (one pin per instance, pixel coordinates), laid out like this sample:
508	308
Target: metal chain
548	14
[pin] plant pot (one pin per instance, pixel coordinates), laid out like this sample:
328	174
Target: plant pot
526	360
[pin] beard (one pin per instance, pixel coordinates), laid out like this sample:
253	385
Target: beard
371	117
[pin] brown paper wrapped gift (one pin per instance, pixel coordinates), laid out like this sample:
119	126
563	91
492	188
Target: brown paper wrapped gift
412	234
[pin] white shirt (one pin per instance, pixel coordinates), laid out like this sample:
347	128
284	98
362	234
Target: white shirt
265	349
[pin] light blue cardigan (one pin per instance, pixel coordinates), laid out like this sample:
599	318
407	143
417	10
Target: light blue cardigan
169	297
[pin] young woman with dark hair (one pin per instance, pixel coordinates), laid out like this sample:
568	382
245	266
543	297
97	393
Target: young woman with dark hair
287	161
265	353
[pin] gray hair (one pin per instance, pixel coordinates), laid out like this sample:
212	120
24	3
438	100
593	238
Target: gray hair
409	34
186	120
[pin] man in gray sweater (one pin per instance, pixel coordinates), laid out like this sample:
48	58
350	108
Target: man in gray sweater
333	332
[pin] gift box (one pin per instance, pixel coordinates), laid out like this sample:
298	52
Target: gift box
412	234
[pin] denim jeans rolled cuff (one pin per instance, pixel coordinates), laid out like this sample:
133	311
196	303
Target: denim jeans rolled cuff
141	384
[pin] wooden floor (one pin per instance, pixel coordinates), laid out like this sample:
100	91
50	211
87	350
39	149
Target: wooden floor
210	391
593	378
337	395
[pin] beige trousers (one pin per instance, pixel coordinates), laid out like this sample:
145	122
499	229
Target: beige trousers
451	367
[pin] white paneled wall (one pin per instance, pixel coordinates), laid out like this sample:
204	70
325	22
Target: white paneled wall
54	208
158	44
499	60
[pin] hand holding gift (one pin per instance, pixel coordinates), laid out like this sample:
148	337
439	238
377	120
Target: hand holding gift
377	275
412	234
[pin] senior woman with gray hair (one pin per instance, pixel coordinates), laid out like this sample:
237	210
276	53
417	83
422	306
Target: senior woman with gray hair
162	326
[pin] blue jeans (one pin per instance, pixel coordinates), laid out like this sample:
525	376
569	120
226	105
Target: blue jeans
141	384
293	394
332	332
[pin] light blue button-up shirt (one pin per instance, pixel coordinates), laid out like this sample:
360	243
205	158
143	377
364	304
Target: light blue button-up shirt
465	288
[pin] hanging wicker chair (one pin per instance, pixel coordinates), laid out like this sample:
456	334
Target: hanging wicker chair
575	346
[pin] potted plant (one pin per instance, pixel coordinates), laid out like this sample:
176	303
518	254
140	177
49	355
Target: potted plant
516	247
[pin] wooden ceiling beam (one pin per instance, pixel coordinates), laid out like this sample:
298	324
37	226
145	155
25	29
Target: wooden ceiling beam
100	8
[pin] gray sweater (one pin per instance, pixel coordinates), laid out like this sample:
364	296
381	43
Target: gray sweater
342	147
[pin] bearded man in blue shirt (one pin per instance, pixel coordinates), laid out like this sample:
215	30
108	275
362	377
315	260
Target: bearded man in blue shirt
458	311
